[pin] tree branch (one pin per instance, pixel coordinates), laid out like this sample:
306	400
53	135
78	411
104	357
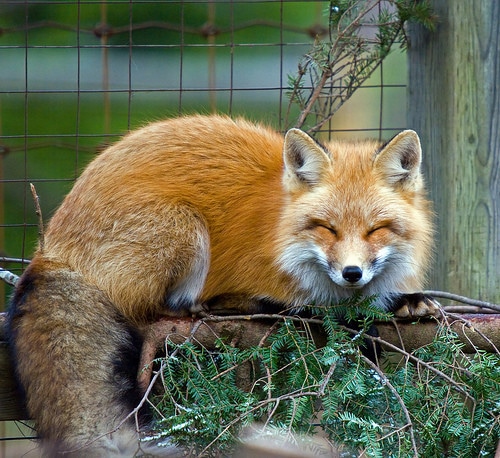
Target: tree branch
462	299
38	211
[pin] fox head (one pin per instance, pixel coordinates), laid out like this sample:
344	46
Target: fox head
356	216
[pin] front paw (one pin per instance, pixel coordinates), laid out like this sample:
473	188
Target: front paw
416	305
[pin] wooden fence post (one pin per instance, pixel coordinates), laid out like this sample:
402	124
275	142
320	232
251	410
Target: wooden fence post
454	105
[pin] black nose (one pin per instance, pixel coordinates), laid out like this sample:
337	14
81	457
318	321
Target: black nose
352	274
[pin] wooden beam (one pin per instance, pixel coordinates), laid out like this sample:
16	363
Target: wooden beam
477	331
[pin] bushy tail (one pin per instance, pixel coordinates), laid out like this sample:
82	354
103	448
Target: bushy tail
77	360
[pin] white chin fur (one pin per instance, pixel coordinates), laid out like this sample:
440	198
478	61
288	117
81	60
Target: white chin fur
322	285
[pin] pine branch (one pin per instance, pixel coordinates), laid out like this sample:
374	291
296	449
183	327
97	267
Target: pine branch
361	35
387	383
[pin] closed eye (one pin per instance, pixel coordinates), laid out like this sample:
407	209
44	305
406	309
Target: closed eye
329	228
323	225
375	229
379	228
391	226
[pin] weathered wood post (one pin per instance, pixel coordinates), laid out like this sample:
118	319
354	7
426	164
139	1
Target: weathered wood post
454	104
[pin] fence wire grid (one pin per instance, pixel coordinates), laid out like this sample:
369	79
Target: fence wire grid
76	75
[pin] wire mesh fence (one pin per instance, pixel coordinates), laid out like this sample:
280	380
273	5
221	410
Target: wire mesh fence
76	75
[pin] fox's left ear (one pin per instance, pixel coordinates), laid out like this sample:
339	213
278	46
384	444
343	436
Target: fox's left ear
399	161
305	161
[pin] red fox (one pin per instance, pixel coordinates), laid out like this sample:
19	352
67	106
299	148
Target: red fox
183	211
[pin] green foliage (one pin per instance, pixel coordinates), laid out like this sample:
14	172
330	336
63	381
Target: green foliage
419	12
361	35
434	402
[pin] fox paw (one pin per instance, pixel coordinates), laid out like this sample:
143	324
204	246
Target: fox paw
416	305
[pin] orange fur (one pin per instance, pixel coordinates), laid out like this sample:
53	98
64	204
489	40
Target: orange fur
185	210
208	190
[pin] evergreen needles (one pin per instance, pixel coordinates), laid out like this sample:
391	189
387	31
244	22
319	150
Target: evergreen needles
435	402
361	34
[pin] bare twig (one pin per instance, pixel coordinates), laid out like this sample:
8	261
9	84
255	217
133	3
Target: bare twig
314	97
327	378
467	309
463	299
38	211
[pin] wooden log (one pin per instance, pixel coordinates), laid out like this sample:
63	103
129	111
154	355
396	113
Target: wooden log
248	332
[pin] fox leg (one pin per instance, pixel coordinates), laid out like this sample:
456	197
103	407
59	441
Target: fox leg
155	264
415	305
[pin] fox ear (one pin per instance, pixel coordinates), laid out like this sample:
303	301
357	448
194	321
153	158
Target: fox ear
399	161
304	159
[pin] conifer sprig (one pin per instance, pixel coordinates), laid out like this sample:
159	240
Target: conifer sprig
437	401
361	35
